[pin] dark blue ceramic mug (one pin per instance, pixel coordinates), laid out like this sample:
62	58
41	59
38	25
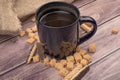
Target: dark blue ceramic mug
58	26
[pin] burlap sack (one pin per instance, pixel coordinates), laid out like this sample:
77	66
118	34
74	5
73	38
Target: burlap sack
25	8
9	22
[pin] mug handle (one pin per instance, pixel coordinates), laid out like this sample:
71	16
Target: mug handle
82	20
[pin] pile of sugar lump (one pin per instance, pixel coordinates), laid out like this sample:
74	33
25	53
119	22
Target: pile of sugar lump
66	67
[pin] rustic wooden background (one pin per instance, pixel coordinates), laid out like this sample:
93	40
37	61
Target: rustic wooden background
107	15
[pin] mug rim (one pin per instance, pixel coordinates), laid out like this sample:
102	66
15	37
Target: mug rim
57	2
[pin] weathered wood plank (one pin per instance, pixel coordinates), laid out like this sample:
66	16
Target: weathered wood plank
103	47
27	71
102	40
38	73
81	3
22	45
45	75
12	53
107	69
15	50
4	38
102	10
106	42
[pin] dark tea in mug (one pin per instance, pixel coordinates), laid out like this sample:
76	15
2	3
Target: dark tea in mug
58	19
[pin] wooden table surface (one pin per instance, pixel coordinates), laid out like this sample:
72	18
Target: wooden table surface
107	15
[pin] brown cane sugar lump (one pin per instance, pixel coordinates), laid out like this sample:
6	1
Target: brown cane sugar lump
63	62
58	66
73	72
31	35
84	62
86	28
70	65
79	66
36	37
22	33
34	29
76	70
70	59
69	76
77	57
87	57
77	53
115	31
36	58
63	72
53	62
83	52
46	61
29	30
33	19
78	49
31	40
92	48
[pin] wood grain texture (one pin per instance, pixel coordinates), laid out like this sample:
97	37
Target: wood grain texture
105	43
101	10
14	50
12	53
81	3
25	72
4	38
103	47
34	71
107	69
47	74
21	42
